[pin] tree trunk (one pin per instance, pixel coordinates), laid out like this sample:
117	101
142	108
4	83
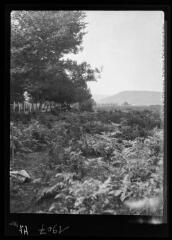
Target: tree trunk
12	137
14	106
40	106
19	106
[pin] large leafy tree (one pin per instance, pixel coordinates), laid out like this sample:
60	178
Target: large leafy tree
39	40
79	75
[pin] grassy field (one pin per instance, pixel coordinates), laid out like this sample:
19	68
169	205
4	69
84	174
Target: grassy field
103	162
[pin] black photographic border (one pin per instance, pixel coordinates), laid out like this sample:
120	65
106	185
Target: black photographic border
86	225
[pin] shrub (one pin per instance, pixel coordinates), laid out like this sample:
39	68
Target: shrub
20	117
144	119
87	105
132	132
46	119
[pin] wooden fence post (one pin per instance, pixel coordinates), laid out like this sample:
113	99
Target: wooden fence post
14	106
30	107
24	107
12	139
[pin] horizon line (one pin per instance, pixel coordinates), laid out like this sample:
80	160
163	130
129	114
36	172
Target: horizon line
127	91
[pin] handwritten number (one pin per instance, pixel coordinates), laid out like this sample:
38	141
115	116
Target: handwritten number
23	229
62	230
54	229
42	230
49	229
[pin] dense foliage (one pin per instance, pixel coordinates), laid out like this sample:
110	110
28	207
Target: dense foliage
84	164
39	41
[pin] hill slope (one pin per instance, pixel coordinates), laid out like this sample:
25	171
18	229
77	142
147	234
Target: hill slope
135	98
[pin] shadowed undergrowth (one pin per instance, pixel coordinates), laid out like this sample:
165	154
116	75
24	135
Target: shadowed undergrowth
81	164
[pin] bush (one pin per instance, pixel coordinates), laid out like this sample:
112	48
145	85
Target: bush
114	116
144	119
27	137
87	105
20	117
132	132
46	119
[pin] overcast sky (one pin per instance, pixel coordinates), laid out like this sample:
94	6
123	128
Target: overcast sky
129	46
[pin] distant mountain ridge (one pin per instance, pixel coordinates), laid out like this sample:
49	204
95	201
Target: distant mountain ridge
134	98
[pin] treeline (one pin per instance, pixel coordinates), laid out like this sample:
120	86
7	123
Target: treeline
39	42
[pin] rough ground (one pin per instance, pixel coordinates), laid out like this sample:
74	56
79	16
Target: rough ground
23	197
84	167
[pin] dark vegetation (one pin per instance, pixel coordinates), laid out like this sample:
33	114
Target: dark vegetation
39	42
87	163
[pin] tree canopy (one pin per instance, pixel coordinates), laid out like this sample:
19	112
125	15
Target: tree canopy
39	40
